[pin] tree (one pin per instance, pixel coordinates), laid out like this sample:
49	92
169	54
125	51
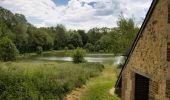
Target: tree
127	30
94	35
76	40
60	37
104	44
89	47
40	38
83	36
8	50
19	28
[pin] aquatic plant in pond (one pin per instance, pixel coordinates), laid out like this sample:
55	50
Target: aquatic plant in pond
78	55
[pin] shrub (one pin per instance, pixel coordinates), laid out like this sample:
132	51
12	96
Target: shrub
39	50
78	55
8	50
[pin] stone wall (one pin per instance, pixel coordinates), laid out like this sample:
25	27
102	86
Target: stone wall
150	55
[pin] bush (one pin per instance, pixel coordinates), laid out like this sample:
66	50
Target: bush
39	50
8	50
78	55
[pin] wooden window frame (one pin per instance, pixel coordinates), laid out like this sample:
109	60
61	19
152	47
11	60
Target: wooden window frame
168	11
168	89
168	51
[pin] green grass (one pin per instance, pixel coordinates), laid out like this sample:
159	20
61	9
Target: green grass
43	81
98	88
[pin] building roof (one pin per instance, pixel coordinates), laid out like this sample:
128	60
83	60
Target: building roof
154	2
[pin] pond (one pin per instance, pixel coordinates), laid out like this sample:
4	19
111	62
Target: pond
102	58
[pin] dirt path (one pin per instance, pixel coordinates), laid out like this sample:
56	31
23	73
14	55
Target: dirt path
75	94
98	88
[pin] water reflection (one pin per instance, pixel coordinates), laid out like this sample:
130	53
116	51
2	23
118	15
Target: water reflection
102	58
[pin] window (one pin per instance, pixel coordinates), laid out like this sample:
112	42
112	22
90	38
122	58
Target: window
168	88
153	89
168	11
168	51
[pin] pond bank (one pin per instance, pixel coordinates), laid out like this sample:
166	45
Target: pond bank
62	56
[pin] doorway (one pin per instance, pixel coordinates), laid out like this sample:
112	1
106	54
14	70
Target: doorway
141	87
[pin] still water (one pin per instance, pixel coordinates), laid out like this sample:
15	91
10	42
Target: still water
102	58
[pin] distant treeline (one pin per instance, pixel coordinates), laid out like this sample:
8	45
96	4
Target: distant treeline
28	38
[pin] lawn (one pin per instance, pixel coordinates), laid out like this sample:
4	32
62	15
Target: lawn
43	81
98	88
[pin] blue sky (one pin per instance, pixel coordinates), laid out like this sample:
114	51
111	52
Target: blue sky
61	2
77	14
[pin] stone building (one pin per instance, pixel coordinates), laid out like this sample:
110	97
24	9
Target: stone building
146	73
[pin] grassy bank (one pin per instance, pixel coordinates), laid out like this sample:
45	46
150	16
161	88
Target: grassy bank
98	88
33	81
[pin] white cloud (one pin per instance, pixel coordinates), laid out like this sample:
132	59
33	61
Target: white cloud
78	14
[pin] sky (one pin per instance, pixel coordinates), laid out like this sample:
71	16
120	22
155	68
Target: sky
78	14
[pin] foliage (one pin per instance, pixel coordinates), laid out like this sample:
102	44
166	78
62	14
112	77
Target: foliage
78	55
60	40
83	36
123	36
39	38
8	50
89	47
94	35
104	44
43	81
76	40
27	38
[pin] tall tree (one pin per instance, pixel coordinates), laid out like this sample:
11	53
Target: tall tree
76	40
83	36
60	37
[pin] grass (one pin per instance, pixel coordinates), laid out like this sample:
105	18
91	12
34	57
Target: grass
43	81
98	88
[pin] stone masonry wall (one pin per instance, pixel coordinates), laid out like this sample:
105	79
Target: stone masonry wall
150	55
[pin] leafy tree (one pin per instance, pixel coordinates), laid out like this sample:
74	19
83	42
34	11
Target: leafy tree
8	50
60	37
89	47
76	40
104	43
126	33
83	36
37	38
27	38
19	29
94	35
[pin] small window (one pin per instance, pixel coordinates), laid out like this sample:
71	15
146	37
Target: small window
168	11
168	88
153	89
168	51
